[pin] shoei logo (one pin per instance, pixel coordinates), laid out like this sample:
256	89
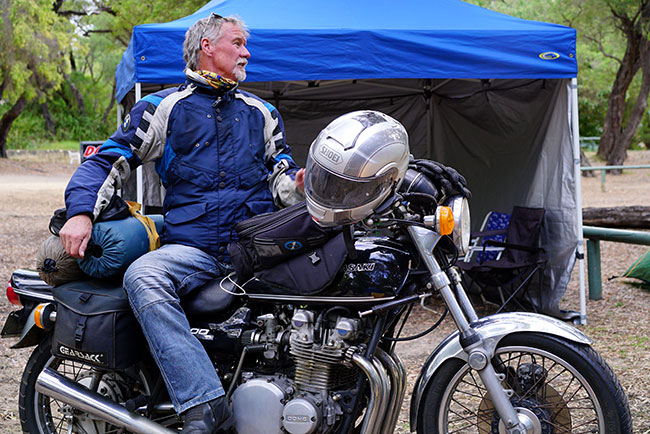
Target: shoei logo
96	358
293	245
549	55
330	154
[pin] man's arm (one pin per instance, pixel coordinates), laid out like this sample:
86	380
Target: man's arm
286	179
93	184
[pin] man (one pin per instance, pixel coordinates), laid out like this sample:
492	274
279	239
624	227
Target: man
222	156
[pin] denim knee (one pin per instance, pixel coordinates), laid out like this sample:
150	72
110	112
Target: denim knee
147	282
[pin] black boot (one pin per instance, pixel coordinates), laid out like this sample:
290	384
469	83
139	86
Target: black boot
212	417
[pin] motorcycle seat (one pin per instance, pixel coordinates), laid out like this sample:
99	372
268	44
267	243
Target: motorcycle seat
210	299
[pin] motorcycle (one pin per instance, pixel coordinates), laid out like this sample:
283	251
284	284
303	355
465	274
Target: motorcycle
326	363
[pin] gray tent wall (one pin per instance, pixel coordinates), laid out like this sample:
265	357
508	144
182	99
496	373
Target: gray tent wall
511	139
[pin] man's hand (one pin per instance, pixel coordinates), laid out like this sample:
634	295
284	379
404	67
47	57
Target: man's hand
300	180
75	235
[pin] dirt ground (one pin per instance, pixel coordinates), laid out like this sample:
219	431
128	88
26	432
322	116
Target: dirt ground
619	324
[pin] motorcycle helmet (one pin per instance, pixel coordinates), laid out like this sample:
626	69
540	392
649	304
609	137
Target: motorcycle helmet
353	166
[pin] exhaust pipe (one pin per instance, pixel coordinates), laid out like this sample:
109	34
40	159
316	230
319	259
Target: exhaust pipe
379	393
397	372
56	386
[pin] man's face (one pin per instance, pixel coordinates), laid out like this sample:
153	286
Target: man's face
228	56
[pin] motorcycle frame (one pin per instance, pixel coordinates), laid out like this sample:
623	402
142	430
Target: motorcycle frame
475	341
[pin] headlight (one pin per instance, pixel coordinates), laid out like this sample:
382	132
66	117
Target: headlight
460	209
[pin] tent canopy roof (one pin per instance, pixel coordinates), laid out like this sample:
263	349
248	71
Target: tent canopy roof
341	39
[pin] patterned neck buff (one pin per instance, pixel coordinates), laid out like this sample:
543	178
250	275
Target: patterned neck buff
217	81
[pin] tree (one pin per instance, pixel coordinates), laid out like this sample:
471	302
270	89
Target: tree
32	46
631	18
613	47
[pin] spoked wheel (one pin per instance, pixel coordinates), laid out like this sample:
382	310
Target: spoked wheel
44	415
557	387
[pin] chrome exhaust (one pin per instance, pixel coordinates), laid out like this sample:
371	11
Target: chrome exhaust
379	392
56	386
397	372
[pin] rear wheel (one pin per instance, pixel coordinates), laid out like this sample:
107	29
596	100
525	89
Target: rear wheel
561	386
44	415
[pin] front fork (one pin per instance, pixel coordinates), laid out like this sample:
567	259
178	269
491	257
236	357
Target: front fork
462	312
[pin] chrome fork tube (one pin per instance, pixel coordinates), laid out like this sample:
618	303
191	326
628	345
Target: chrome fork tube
378	394
425	240
461	294
397	373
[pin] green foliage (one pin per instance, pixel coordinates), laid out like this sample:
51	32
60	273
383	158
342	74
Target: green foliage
600	46
130	13
90	34
32	41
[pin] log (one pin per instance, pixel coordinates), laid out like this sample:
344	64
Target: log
630	217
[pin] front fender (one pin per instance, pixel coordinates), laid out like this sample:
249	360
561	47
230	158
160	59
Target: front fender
491	329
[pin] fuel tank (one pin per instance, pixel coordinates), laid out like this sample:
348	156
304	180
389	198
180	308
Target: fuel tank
378	272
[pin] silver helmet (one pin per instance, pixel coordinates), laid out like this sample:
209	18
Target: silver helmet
353	166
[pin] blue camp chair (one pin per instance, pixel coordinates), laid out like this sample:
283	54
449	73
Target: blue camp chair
521	259
493	228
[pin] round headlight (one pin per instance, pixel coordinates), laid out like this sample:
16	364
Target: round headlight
460	209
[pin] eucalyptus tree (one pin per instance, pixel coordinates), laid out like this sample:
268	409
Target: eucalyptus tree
33	42
613	57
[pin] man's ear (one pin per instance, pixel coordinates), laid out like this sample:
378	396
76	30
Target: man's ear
206	47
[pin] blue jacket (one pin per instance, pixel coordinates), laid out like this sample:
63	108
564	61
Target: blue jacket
222	158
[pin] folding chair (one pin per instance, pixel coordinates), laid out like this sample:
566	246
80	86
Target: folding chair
493	228
521	260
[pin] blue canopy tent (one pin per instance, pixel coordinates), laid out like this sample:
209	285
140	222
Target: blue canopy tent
492	95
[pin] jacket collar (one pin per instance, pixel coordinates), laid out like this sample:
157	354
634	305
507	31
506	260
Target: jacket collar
202	85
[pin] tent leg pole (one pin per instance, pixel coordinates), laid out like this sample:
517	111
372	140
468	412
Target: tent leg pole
580	253
138	171
429	128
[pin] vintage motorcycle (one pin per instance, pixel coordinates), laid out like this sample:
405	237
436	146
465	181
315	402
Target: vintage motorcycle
326	362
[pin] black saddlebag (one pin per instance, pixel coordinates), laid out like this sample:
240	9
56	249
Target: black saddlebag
95	325
288	248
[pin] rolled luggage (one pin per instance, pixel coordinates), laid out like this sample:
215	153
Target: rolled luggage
116	244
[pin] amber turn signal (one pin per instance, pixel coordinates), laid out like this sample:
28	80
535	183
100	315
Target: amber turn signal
445	220
43	316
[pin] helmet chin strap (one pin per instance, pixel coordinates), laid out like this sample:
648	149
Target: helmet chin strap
349	241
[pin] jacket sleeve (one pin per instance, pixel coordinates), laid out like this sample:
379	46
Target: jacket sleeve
98	178
280	163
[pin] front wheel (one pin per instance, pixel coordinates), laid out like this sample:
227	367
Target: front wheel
562	386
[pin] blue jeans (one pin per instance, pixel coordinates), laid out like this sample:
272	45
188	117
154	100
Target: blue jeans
154	284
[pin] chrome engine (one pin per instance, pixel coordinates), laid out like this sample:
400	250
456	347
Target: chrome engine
310	401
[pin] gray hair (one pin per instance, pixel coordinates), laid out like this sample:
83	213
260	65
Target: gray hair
208	27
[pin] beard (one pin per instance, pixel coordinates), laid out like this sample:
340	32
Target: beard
240	69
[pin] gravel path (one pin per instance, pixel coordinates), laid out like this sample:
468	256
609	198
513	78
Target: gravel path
619	323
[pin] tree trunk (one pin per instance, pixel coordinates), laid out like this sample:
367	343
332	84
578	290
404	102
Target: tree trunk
611	139
79	99
111	103
584	162
49	122
6	122
632	217
617	136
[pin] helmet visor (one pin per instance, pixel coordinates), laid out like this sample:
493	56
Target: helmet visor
335	191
